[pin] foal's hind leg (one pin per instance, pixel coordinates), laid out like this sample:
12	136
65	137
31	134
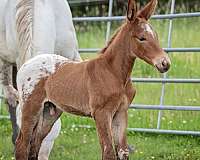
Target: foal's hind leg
48	141
48	117
119	126
30	115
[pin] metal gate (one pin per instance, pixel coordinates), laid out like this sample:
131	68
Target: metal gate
163	80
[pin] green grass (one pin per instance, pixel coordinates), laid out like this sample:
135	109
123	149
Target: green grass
78	143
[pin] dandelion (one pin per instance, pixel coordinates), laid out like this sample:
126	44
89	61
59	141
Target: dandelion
184	121
189	99
170	122
194	100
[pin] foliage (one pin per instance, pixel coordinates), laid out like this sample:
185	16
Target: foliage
100	7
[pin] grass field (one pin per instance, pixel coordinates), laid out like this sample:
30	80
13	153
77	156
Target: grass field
79	144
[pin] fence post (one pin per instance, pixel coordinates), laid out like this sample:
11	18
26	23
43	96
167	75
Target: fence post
169	41
109	22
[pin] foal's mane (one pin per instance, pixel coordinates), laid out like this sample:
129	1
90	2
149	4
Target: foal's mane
110	41
24	26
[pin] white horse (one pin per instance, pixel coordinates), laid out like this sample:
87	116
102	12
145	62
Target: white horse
29	28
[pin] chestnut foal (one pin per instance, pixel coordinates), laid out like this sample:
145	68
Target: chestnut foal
100	88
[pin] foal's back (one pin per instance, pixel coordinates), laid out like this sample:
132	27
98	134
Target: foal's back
68	84
64	79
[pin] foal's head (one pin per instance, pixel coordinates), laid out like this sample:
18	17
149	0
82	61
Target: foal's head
143	39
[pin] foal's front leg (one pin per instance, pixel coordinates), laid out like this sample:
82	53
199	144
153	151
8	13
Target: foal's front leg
119	126
103	119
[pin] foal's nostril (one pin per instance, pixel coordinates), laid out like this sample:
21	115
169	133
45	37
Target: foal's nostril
165	64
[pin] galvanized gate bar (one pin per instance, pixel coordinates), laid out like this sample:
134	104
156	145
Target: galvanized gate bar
95	50
163	131
164	107
165	80
4	117
182	49
120	18
149	130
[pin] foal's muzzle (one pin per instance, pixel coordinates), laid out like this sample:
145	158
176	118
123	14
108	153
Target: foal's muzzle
163	64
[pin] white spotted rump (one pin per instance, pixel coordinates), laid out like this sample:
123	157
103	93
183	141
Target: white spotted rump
31	73
39	67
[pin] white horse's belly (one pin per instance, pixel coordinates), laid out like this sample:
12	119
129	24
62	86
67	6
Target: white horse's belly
66	41
6	54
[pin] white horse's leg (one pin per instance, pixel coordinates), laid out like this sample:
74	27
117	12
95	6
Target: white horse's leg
47	143
6	77
10	94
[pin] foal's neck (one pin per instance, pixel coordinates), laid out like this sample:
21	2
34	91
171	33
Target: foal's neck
118	56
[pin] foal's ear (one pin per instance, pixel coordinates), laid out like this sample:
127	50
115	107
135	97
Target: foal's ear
148	10
132	10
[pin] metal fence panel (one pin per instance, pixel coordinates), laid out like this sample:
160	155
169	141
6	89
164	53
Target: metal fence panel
163	80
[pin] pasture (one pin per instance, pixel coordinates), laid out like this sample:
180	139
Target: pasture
79	143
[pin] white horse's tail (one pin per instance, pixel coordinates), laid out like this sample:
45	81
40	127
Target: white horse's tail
24	26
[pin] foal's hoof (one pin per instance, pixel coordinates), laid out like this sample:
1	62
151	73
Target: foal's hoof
123	154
